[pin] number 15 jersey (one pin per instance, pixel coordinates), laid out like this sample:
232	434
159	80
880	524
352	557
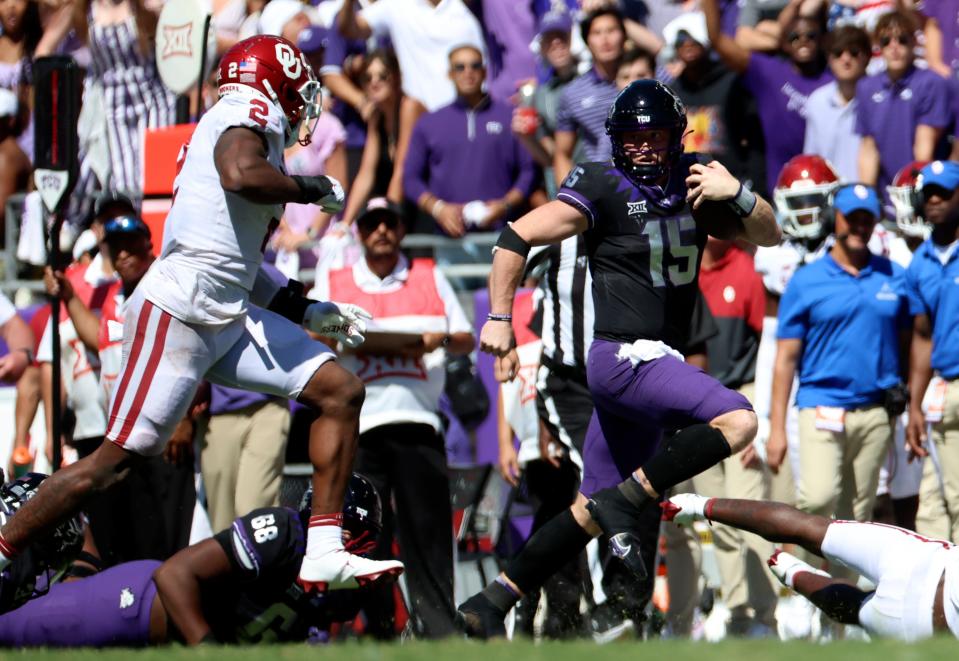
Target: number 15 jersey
213	240
644	250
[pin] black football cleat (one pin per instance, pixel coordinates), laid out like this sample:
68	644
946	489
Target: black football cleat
477	617
620	520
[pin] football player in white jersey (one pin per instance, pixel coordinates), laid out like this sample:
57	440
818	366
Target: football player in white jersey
916	578
205	310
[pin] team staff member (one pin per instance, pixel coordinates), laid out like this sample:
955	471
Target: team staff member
840	320
645	217
401	442
933	286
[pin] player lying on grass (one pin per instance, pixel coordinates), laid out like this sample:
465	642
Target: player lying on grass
917	591
239	586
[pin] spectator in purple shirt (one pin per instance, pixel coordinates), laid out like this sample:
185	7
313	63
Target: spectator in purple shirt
585	102
900	113
781	85
464	166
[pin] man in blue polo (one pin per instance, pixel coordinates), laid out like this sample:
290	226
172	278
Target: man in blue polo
840	321
932	283
464	166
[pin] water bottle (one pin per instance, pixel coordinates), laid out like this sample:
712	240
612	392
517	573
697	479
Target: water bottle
22	461
526	110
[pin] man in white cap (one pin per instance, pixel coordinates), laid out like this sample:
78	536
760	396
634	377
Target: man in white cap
284	18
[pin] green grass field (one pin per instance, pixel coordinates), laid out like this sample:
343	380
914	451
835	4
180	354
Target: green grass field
932	650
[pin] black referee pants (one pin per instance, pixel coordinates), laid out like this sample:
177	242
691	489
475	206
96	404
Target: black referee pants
407	465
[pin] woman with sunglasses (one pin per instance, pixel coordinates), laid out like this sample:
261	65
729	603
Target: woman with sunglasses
901	113
781	83
379	165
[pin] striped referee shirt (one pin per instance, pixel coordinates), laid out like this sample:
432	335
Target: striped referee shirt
583	106
567	304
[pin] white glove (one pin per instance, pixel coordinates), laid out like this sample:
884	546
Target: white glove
335	201
343	322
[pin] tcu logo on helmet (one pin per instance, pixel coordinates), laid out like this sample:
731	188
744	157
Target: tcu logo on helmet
288	60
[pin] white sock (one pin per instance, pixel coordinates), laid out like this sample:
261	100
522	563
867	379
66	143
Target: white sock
325	535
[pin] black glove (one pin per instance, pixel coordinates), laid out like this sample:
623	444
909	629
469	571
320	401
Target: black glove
320	190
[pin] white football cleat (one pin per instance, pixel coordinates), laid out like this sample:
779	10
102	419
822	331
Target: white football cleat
685	508
341	570
785	566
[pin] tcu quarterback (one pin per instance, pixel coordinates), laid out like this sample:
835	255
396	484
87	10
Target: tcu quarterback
645	217
206	310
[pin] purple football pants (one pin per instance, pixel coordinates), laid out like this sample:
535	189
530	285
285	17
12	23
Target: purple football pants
636	405
111	608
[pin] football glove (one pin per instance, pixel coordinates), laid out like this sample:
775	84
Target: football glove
325	192
343	322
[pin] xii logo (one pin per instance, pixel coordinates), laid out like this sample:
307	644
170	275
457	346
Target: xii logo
177	40
633	208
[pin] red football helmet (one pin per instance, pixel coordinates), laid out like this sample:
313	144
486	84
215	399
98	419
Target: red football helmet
274	68
802	193
902	194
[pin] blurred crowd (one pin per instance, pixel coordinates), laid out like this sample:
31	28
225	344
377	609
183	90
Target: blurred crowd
453	117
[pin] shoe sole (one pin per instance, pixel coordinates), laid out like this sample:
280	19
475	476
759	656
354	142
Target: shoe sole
368	580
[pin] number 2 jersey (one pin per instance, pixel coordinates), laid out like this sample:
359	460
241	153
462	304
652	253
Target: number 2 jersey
644	250
213	239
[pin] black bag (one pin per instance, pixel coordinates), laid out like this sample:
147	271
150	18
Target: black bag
466	392
896	399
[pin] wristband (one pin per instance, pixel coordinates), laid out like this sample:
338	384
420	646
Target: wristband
513	242
29	353
437	207
499	317
743	202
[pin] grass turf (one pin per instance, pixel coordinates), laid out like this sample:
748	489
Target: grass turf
932	650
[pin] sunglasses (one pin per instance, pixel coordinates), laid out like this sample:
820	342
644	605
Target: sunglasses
901	39
124	225
853	52
932	190
383	77
799	36
371	223
460	67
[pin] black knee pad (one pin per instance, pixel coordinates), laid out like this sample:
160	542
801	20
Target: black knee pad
685	454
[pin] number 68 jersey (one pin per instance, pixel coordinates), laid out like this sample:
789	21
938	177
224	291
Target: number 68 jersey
213	240
262	602
644	246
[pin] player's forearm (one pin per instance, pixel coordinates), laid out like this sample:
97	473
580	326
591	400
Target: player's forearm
461	344
505	277
179	590
256	180
761	226
920	369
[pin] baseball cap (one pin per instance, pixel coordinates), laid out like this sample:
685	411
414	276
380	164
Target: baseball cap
110	198
944	174
379	205
277	13
555	21
857	197
312	39
125	226
692	23
86	242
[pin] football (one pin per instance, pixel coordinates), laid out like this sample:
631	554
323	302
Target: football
719	220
